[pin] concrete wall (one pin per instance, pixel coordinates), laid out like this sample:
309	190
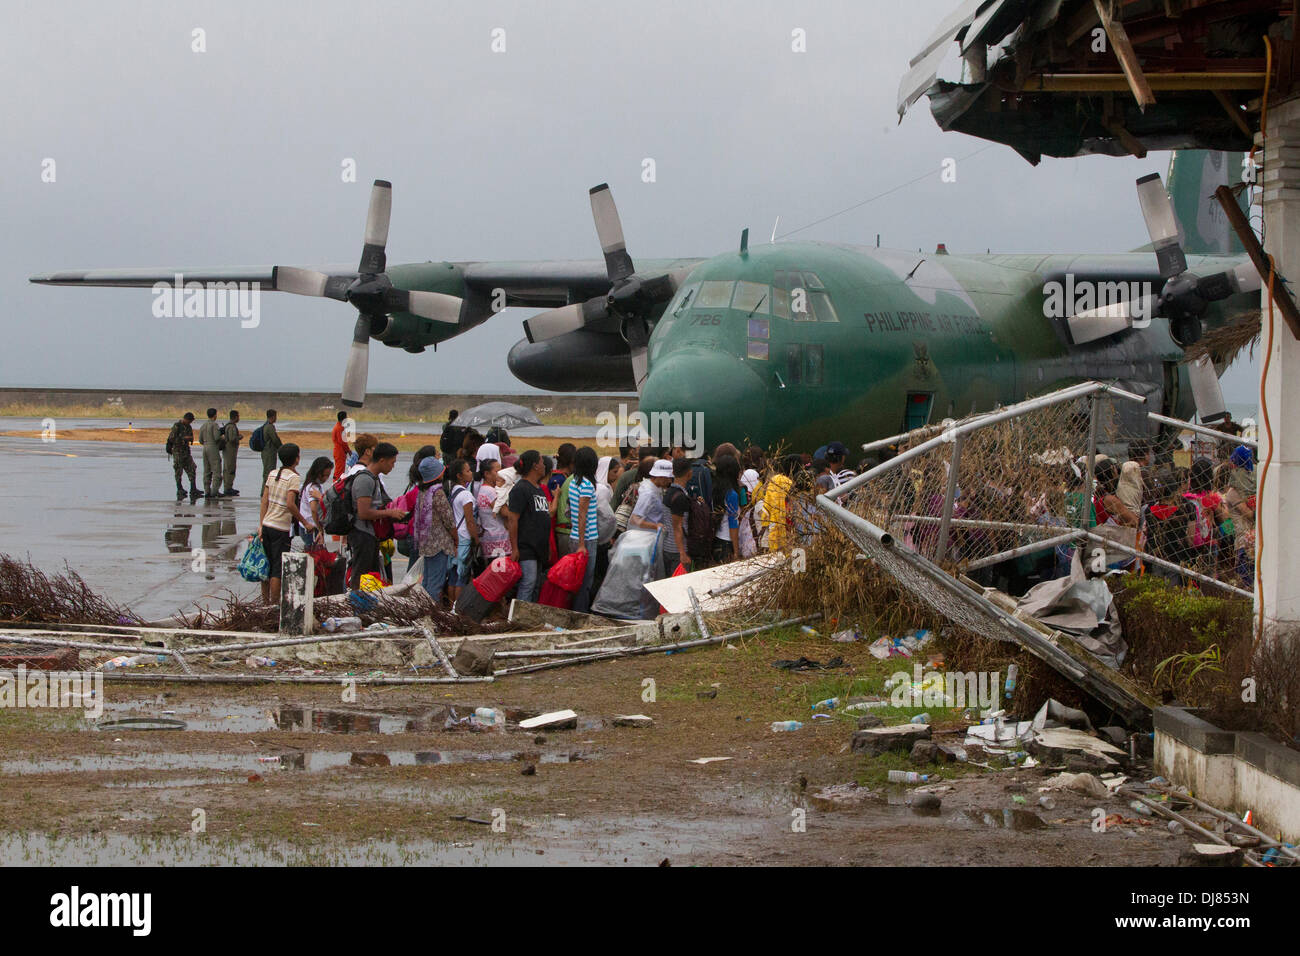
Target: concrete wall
1234	771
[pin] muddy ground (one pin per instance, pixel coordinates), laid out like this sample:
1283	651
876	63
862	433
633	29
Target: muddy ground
600	794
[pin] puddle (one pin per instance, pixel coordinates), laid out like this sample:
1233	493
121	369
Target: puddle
638	841
302	718
303	760
1012	819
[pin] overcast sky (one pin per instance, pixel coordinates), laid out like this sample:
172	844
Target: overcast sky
165	156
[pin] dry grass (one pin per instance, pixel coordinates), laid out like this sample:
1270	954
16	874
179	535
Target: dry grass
30	595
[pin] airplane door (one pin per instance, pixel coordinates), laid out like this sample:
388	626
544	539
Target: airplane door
917	412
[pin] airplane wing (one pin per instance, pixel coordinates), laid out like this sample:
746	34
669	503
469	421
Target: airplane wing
266	277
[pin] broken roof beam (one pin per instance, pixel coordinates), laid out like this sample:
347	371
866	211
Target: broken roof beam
1176	82
1124	52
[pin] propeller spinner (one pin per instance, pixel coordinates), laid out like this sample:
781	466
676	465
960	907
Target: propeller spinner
370	291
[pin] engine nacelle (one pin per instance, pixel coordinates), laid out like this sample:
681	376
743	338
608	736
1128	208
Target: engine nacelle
579	361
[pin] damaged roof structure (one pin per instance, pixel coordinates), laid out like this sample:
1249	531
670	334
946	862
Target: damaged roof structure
1069	78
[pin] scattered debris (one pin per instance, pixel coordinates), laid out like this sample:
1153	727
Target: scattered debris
842	796
556	720
703	760
875	741
631	720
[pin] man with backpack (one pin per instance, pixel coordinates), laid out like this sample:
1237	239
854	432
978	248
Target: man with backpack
179	440
266	439
229	455
368	501
453	436
678	502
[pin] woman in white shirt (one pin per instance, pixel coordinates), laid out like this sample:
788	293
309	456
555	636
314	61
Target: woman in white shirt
311	503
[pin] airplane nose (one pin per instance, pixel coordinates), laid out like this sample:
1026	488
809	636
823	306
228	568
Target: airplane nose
717	395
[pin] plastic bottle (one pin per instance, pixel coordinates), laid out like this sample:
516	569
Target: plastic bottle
780	725
830	703
907	776
341	625
921	719
810	631
256	661
1010	687
489	717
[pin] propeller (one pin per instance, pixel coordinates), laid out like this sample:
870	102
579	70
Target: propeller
1182	300
370	290
631	299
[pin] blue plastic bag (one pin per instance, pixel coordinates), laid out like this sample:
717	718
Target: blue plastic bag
254	565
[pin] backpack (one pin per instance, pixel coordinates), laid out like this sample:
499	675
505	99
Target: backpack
701	526
257	440
340	511
453	436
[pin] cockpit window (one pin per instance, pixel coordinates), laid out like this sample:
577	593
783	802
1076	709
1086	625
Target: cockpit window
820	305
813	282
751	297
781	303
714	294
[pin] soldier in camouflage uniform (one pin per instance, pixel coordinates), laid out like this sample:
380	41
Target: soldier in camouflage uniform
179	440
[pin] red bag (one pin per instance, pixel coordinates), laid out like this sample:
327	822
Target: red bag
569	572
406	502
501	575
324	560
552	595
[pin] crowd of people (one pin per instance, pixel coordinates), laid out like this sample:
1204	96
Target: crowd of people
473	498
1201	518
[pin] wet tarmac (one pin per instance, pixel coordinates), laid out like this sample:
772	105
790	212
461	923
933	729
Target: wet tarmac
108	510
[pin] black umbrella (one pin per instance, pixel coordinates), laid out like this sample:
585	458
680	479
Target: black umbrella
500	414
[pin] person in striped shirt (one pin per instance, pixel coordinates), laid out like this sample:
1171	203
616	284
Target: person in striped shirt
835	455
583	529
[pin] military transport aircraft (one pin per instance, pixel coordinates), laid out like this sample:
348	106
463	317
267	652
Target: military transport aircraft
809	341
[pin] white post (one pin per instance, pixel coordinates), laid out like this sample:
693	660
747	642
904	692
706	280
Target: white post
1278	553
297	592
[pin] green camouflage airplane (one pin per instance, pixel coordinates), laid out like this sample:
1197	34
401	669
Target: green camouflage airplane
806	342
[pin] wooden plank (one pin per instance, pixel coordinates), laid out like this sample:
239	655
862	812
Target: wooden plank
1126	55
1237	219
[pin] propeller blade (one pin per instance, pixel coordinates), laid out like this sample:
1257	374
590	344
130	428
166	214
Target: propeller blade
299	281
1206	391
640	366
373	258
430	305
1162	225
1244	278
567	318
1092	324
354	376
609	229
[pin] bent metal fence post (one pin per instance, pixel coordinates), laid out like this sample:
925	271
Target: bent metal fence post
999	494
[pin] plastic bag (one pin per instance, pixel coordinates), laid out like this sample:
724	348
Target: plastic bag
569	572
254	565
501	575
633	561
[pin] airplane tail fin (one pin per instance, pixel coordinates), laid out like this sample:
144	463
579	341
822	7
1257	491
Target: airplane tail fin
1193	177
